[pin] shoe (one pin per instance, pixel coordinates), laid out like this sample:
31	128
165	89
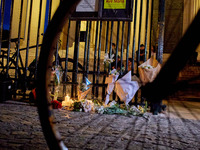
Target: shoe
163	107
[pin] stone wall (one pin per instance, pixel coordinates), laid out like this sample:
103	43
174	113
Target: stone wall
173	23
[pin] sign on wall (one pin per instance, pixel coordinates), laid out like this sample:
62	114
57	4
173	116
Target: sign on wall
87	6
104	10
114	4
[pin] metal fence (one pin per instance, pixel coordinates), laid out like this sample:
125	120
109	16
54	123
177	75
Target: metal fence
80	49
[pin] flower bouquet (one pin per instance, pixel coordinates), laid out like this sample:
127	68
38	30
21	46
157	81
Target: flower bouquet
125	88
56	104
84	89
149	70
107	61
56	77
110	80
126	110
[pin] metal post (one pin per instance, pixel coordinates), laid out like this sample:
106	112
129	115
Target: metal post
38	38
18	46
134	31
50	6
161	27
2	18
75	64
85	51
88	50
151	25
106	50
66	60
139	36
27	46
56	53
98	63
146	29
110	49
95	55
122	47
117	44
9	38
128	41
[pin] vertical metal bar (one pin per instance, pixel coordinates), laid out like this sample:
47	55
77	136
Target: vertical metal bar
106	49
134	31
28	40
38	38
151	25
117	44
107	31
88	50
66	59
67	50
128	41
110	49
146	29
18	45
95	55
139	35
75	64
122	47
133	52
9	38
161	26
99	58
49	15
85	51
56	53
2	18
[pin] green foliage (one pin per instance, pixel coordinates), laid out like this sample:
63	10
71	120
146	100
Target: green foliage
77	106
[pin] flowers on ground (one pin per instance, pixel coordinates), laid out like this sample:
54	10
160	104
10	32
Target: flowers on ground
113	108
56	104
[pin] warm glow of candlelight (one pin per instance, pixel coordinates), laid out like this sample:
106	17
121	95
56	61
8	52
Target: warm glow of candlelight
67	101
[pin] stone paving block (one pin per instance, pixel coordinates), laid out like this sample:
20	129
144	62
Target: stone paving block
94	131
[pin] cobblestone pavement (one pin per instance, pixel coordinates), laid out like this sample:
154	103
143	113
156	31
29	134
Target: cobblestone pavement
177	128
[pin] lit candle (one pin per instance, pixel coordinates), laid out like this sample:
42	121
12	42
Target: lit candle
67	98
67	101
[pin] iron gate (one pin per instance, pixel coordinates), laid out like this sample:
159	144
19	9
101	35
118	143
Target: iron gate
80	50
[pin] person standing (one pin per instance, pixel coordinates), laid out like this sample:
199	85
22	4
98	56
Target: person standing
142	53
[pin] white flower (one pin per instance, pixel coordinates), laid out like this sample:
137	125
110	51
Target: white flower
100	109
147	67
112	103
135	109
87	105
107	59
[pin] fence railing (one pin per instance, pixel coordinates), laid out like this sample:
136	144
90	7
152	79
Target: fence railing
80	50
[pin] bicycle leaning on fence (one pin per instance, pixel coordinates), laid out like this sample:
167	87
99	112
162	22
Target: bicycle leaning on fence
13	68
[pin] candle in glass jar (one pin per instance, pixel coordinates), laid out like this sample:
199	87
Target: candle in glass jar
67	98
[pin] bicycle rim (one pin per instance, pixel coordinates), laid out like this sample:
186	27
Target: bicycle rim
53	31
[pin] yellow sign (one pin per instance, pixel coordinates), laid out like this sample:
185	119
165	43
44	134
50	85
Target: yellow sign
114	4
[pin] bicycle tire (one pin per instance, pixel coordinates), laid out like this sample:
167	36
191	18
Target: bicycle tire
51	35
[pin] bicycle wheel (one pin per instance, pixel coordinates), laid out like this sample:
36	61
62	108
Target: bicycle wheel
53	31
